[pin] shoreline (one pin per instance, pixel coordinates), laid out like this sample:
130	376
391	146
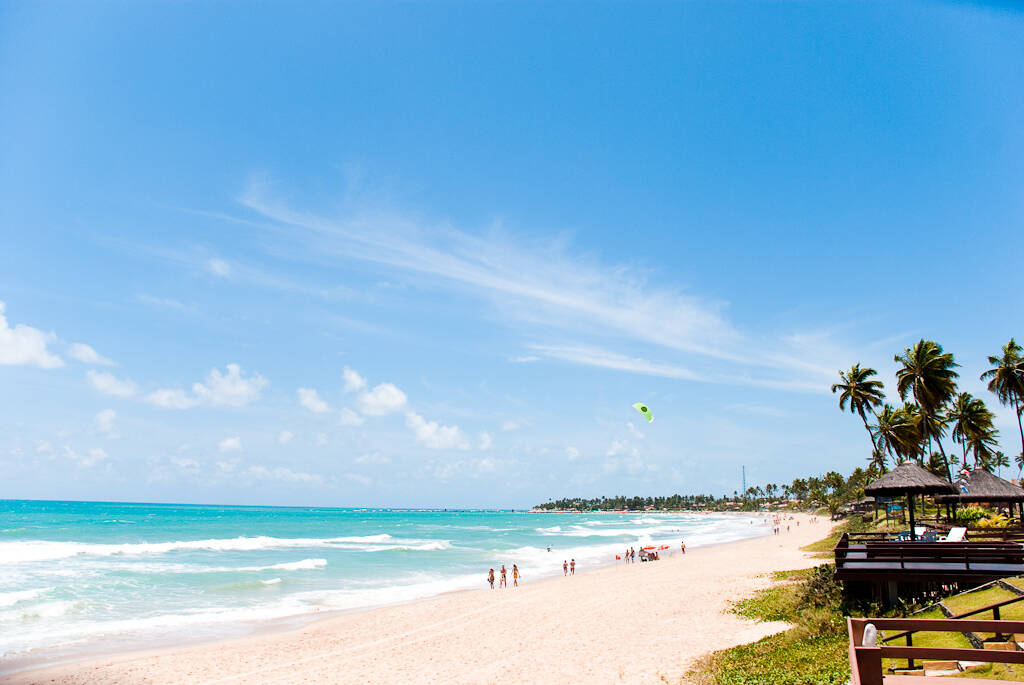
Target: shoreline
726	572
287	623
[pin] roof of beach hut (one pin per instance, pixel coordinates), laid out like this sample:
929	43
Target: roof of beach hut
909	478
981	486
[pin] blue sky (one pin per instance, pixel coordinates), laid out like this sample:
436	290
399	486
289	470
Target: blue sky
428	254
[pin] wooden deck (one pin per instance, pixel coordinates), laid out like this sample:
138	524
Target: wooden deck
927	562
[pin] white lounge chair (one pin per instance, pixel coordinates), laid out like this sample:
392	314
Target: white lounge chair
955	534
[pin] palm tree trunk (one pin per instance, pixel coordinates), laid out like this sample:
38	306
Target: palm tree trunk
1016	407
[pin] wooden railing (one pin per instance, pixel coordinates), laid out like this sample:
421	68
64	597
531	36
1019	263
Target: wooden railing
866	660
874	557
994	608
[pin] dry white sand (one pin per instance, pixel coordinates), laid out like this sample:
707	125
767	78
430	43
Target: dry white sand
632	623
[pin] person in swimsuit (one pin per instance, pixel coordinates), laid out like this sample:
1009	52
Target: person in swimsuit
504	581
565	568
682	546
515	576
490	578
572	567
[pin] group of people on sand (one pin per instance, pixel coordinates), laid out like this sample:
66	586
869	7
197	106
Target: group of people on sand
569	569
504	577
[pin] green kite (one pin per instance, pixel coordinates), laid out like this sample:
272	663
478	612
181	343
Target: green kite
642	408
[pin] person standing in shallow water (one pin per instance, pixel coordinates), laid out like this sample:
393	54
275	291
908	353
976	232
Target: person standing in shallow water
490	578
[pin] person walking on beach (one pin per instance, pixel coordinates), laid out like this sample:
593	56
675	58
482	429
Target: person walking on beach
626	556
572	567
504	580
515	576
565	568
490	578
632	555
682	546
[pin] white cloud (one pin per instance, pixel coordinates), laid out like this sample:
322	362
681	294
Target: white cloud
218	267
310	399
232	389
358	479
285	437
617	447
469	467
321	439
485	440
525	360
593	356
26	346
105	423
372	459
87	355
513	425
189	466
230	444
434	436
165	302
383	399
172	398
572	453
108	384
283	475
227	466
353	381
350	418
84	461
633	430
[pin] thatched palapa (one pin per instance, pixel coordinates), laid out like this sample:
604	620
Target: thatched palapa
910	479
981	486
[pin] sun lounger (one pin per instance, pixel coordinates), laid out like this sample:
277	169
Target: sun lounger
955	534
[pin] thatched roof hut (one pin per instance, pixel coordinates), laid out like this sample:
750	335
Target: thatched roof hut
910	479
981	486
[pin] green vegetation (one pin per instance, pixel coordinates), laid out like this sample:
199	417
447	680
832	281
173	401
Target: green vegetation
812	652
778	659
926	383
824	548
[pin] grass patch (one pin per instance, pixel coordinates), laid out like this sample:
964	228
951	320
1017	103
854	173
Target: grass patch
780	659
824	548
993	672
795	574
773	604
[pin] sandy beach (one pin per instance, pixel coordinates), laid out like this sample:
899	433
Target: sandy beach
634	623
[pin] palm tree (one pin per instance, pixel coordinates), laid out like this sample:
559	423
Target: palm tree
1006	380
877	461
861	392
896	431
972	425
927	374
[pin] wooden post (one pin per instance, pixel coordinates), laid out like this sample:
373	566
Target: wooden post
910	505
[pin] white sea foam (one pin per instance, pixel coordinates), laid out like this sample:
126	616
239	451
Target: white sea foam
11	598
272	581
46	550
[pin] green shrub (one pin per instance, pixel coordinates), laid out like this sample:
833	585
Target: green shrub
970	514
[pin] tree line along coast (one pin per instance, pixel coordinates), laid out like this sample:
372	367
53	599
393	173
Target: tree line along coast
930	408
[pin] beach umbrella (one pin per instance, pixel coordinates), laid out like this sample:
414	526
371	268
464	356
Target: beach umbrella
910	479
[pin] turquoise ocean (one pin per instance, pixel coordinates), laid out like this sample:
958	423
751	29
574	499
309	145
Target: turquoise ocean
91	577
